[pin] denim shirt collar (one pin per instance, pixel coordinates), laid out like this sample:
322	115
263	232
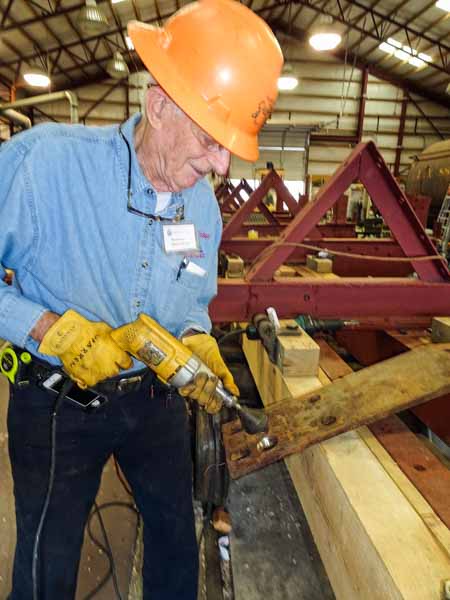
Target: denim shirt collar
143	193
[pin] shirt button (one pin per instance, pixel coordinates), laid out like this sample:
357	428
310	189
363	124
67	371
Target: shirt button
144	265
137	303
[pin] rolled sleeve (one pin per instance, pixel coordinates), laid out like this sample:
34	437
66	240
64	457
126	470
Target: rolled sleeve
18	237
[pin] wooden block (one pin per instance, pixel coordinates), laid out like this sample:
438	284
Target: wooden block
285	271
320	265
221	520
298	353
440	329
235	267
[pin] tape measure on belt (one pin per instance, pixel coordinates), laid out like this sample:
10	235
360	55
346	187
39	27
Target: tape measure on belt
10	362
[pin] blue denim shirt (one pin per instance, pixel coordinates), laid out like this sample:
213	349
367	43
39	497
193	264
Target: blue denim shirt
66	232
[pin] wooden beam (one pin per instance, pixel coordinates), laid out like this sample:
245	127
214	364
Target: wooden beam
357	399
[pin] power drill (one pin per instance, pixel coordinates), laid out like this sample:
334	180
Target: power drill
175	364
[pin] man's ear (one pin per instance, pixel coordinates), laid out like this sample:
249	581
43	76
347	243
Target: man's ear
156	102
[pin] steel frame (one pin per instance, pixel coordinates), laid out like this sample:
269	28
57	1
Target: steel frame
428	295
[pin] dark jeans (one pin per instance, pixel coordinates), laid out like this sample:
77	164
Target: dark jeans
148	434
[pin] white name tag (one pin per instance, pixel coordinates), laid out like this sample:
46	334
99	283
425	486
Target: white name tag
180	238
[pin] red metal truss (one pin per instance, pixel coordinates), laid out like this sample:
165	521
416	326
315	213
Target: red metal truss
355	297
234	200
366	165
271	181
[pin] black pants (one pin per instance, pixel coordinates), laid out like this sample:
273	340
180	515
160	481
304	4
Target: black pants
148	434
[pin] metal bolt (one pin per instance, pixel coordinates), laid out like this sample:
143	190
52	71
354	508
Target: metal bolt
328	420
95	403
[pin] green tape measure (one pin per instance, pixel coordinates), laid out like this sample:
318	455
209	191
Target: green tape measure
10	362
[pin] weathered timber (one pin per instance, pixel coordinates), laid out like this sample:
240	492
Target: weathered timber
356	399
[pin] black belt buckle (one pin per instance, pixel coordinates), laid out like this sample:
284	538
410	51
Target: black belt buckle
129	384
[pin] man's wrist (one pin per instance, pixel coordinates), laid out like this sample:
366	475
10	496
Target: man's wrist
43	325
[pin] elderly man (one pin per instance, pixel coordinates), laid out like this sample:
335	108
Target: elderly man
91	223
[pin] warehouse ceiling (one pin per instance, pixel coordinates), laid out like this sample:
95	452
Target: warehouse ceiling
47	32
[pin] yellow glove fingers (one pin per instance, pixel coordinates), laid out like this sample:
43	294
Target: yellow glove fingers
203	390
206	348
86	349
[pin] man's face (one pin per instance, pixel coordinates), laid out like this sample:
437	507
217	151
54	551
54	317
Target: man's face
185	152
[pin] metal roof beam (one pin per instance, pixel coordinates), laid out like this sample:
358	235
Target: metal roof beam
326	9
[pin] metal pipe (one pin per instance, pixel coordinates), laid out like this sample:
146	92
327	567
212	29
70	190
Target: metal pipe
16	117
45	99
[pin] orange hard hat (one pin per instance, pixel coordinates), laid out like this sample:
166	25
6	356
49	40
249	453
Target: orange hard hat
219	62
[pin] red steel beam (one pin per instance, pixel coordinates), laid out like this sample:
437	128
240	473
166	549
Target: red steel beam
343	266
255	201
366	165
352	297
327	230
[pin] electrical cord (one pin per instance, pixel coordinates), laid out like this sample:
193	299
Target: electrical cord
67	385
225	336
106	547
408	259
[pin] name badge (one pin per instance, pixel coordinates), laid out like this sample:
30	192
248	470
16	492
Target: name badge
180	238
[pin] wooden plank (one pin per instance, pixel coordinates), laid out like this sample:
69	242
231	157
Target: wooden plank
331	363
356	399
436	413
435	525
430	476
374	543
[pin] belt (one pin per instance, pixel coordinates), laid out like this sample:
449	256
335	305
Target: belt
124	385
38	371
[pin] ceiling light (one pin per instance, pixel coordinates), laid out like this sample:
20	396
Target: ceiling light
443	5
36	77
405	53
325	35
129	42
281	148
116	1
116	66
325	41
287	80
91	19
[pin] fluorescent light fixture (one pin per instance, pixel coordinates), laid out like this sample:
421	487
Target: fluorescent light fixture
129	42
280	148
91	19
116	66
405	53
325	41
116	1
36	77
443	5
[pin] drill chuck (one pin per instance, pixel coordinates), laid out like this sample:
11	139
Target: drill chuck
253	421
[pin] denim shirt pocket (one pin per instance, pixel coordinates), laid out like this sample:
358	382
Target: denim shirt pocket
183	290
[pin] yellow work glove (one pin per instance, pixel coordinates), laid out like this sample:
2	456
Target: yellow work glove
202	389
85	348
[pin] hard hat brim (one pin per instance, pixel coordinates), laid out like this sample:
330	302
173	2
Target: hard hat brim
149	42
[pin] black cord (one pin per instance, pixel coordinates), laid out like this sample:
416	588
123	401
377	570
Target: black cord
225	336
67	385
106	549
